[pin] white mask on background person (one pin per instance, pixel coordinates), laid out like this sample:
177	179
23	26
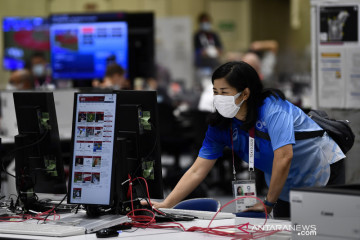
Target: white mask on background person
226	105
38	70
205	26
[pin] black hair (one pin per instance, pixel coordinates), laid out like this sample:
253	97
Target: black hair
38	54
204	16
113	69
241	75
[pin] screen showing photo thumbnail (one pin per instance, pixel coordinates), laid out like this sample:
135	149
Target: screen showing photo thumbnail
99	117
82	117
78	177
95	178
96	162
97	146
76	193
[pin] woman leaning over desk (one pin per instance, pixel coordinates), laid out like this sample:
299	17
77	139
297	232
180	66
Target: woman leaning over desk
242	105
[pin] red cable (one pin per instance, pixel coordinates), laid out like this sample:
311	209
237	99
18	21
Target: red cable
266	214
143	221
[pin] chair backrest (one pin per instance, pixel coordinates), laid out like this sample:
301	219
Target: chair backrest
200	204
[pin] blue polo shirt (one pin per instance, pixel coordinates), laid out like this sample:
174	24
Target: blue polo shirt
279	118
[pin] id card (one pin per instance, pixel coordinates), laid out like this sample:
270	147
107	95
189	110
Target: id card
243	188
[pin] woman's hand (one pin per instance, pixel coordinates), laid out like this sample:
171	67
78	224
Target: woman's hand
155	204
259	207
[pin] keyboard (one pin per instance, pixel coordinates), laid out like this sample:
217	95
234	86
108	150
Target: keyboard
52	230
207	215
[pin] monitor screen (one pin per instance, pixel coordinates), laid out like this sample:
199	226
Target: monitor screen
115	139
22	37
91	168
83	45
39	165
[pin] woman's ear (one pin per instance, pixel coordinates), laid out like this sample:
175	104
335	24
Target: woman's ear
246	94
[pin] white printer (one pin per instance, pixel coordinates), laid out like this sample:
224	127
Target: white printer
331	212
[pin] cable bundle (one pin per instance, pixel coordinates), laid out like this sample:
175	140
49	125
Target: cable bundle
235	231
25	217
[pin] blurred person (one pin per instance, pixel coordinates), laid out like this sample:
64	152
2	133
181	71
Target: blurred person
20	80
114	78
233	56
208	46
267	51
152	84
206	98
253	60
41	71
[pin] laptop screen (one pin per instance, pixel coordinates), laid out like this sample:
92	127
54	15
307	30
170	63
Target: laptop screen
93	139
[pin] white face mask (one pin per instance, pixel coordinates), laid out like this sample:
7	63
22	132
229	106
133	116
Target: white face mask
38	70
226	105
205	26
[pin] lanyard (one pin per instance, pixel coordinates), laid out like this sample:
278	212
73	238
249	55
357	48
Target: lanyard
251	151
206	40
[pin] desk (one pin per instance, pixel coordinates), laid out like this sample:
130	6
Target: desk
162	234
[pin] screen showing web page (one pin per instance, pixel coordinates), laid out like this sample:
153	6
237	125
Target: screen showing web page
93	148
84	50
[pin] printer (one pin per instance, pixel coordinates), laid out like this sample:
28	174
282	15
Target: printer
331	212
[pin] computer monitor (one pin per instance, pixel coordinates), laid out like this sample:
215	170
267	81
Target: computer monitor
92	169
115	137
39	166
139	125
23	36
82	45
95	40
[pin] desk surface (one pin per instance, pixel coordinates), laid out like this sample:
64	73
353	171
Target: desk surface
162	234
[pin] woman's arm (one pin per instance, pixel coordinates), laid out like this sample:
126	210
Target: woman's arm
280	172
191	179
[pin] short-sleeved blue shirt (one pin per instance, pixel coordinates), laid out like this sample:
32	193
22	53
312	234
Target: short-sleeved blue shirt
279	118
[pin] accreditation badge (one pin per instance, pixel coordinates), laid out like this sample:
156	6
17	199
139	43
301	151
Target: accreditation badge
244	188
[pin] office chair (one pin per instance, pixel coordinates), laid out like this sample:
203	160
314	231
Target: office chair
199	204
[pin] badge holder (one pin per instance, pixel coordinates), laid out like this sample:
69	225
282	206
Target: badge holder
244	188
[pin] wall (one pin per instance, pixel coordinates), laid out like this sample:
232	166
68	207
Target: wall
287	22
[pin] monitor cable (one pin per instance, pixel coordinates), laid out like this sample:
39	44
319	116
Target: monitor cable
11	154
155	143
53	210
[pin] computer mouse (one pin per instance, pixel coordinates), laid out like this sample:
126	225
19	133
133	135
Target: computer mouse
107	232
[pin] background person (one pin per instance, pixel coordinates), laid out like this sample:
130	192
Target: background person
243	104
20	80
40	71
114	78
208	46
